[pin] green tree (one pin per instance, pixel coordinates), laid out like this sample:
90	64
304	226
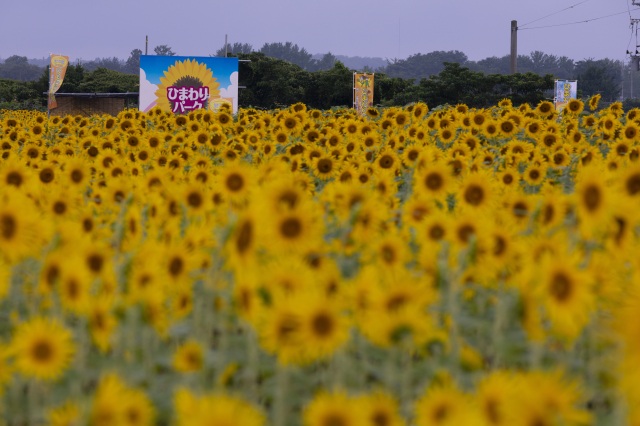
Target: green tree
103	80
234	49
132	65
18	68
327	62
602	76
270	82
163	50
288	52
16	94
423	65
330	88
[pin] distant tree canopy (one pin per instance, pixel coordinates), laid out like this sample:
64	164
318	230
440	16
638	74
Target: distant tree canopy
423	65
284	73
18	68
234	49
163	50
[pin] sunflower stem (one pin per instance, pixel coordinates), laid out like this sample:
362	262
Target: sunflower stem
253	359
280	406
498	326
406	388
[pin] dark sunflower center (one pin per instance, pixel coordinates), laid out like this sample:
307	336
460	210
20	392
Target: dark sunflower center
592	198
235	182
42	351
388	254
245	237
14	178
322	325
465	232
386	161
176	265
474	195
380	418
194	199
334	420
434	181
291	228
633	184
561	287
8	226
95	262
77	176
325	165
46	175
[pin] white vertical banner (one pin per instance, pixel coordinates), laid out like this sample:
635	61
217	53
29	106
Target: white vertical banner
565	90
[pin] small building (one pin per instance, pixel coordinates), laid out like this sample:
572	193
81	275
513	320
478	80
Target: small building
94	103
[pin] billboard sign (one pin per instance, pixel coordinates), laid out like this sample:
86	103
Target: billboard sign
181	84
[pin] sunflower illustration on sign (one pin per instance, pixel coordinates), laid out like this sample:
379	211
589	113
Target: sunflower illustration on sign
185	86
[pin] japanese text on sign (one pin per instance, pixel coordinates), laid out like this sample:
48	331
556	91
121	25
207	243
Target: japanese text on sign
187	98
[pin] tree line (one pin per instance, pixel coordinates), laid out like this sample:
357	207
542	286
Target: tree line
283	73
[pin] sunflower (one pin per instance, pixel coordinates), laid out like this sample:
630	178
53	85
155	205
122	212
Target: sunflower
446	135
188	357
507	127
214	410
15	173
20	231
186	73
593	101
630	132
490	128
534	175
508	178
324	328
67	414
545	109
114	402
387	161
380	409
495	395
294	230
477	190
574	106
478	118
629	181
324	167
236	180
435	179
331	409
74	286
442	405
42	347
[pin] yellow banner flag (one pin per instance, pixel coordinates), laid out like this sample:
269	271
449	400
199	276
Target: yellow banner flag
362	92
57	69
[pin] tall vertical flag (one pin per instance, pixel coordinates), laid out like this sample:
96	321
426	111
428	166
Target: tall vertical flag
565	90
362	92
57	69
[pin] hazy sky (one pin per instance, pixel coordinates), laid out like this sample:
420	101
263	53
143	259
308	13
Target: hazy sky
89	29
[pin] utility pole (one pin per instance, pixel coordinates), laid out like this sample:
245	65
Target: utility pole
514	47
226	49
146	44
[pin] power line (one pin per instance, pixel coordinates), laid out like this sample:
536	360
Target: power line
555	13
578	22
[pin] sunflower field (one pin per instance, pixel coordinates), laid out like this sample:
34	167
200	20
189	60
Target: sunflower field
412	266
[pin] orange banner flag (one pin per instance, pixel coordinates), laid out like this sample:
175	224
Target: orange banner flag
57	69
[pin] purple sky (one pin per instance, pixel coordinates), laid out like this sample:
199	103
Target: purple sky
88	29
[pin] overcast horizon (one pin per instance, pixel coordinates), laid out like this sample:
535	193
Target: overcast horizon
577	29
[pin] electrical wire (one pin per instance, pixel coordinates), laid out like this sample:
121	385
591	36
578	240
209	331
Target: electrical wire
555	13
577	22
